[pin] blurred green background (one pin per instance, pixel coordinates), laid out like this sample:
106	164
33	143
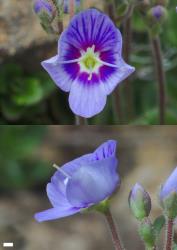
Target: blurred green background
146	155
28	95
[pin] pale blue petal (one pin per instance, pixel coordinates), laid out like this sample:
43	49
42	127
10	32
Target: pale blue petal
55	213
57	73
93	182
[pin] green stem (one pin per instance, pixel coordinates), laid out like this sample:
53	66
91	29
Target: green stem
160	75
115	236
169	236
80	120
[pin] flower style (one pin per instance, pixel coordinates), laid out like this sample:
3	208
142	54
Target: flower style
89	64
82	183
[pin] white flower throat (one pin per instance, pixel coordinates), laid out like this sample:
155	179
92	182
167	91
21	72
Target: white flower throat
89	62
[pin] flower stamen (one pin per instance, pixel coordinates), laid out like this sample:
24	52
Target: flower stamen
61	170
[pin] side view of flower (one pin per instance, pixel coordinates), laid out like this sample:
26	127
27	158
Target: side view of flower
89	62
82	183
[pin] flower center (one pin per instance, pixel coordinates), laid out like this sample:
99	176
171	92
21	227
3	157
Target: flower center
89	62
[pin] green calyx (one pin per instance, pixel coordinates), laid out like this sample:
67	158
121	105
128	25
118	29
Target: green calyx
169	205
102	207
140	206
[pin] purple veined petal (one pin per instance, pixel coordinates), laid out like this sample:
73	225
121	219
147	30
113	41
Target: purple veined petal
105	150
93	183
58	74
87	99
88	28
55	213
113	76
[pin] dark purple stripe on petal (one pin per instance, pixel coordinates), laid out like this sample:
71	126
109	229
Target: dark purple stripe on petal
106	72
72	69
83	78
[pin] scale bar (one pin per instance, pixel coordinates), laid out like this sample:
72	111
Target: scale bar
8	244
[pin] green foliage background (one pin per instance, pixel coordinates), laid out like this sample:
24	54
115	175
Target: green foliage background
19	166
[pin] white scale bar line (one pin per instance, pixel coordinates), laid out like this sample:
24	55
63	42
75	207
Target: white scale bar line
8	244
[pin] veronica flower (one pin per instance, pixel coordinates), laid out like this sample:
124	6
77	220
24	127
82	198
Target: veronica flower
82	183
89	64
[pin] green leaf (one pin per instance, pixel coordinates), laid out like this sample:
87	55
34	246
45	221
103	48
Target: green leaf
30	93
158	224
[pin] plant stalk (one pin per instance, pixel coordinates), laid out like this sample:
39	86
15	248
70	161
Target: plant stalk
169	236
160	75
80	120
115	236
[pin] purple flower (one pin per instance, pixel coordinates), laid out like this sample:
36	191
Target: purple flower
89	64
139	202
170	186
82	183
43	5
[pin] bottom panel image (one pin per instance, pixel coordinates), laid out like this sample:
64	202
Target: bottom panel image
88	187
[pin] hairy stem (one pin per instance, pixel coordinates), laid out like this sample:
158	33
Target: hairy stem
169	236
115	236
160	75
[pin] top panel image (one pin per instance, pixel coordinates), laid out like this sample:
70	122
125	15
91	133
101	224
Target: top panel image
88	62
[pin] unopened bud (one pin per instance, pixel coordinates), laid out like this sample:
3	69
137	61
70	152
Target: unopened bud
168	196
157	13
139	202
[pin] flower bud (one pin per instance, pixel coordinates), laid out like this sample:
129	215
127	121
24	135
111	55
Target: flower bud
168	195
41	6
139	202
157	13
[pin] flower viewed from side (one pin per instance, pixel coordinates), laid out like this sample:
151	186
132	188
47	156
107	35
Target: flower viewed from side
89	64
168	195
139	202
82	183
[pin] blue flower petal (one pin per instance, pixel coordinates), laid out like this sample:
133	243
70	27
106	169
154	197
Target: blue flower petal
105	150
55	213
57	73
93	182
56	196
170	185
